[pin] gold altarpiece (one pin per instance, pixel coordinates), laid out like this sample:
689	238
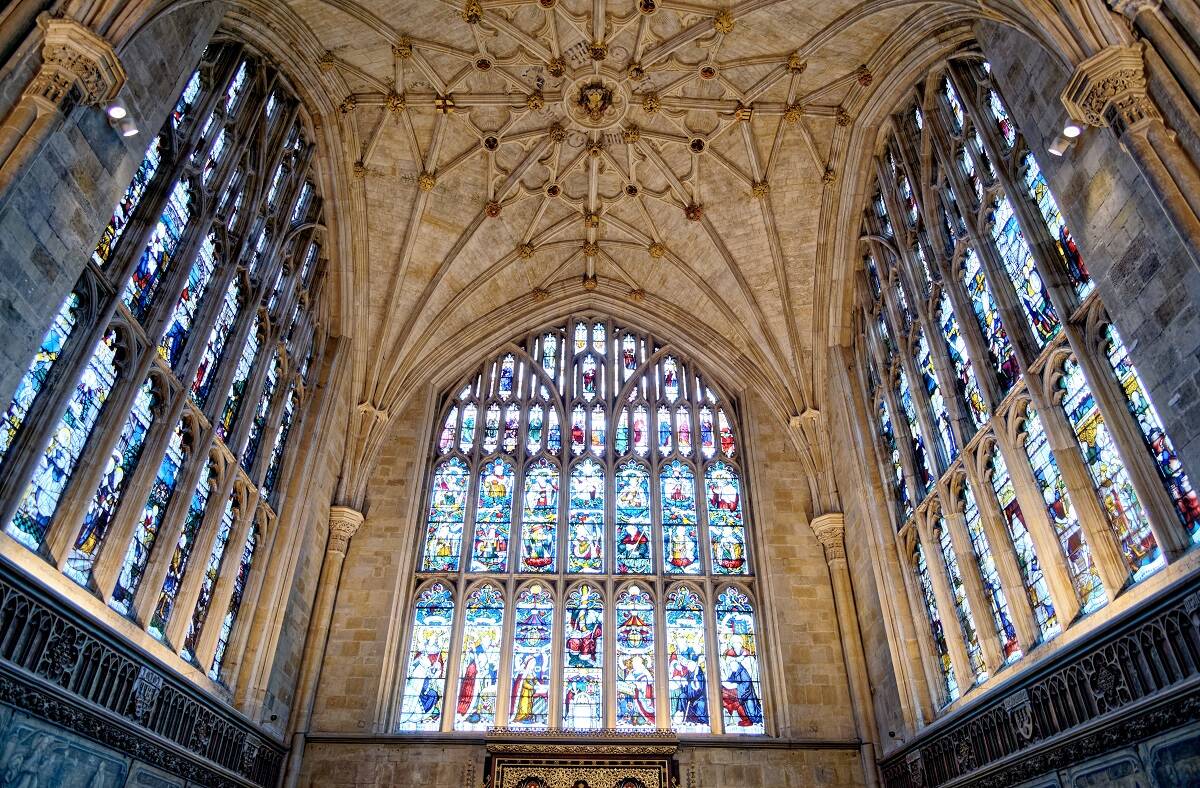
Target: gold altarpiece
581	759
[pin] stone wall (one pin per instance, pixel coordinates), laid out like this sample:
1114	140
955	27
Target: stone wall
1141	268
52	217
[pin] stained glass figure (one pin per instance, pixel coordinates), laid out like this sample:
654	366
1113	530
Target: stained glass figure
670	379
425	678
583	660
937	403
466	436
633	535
987	313
1008	130
146	530
275	466
57	463
179	325
159	253
1126	515
491	429
683	431
447	513
629	358
681	532
578	430
728	445
581	337
1018	261
1039	191
922	461
956	348
446	440
663	420
1053	487
936	632
737	654
187	101
529	696
539	521
34	378
904	507
122	461
479	661
1027	559
585	537
962	605
597	432
129	202
992	587
493	518
550	354
181	557
641	431
588	377
221	331
554	433
512	423
708	445
533	436
687	662
621	436
241	379
209	581
1170	469
262	412
235	602
726	526
634	666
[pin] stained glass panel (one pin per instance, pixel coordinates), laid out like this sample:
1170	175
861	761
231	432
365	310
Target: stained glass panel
921	458
57	463
241	379
987	313
962	605
529	698
956	348
904	507
1018	262
129	202
221	331
1039	192
726	527
925	586
941	418
539	521
681	531
281	436
737	654
633	534
992	587
687	662
1008	130
208	584
447	513
235	602
479	663
583	660
585	538
429	647
635	658
493	517
159	253
179	326
263	411
180	559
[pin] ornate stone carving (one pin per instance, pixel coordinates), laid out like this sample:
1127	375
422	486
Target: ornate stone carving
535	101
396	103
760	189
426	181
75	63
348	105
830	530
591	249
657	250
403	49
1109	89
472	12
793	113
491	209
525	251
694	212
723	22
343	524
145	694
326	61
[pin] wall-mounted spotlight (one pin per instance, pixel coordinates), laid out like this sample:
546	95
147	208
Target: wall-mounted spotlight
1062	143
118	118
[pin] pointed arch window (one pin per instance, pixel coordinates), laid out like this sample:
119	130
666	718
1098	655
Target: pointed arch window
425	681
479	663
646	486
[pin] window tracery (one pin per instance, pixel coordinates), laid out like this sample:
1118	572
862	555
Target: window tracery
1008	415
582	473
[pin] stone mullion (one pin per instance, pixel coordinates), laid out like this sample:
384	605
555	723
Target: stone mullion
1020	611
206	539
274	422
81	486
662	681
708	592
1037	520
235	647
930	661
956	638
916	491
231	560
981	606
197	463
252	392
112	552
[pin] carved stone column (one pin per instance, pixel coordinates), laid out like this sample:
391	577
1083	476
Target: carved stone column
830	531
343	524
1109	89
78	66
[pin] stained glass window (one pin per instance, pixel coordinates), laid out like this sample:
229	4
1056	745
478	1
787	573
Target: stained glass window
958	592
1062	514
925	586
159	253
1018	261
429	647
241	379
921	459
956	108
179	326
737	655
222	329
31	383
956	348
1170	469
479	661
937	402
634	666
235	602
493	518
686	661
1008	130
529	697
148	524
992	587
263	411
904	507
583	660
650	463
1039	192
447	513
181	557
129	202
1027	559
987	313
539	521
209	580
281	436
1126	515
122	461
57	463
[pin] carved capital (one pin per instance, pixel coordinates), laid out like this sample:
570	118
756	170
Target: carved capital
830	530
76	63
1109	89
343	524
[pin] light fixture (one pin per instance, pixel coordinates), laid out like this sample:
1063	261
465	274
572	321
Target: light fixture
1060	144
116	111
126	128
1072	130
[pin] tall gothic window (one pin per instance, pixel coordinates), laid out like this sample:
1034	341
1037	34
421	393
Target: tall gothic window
1030	476
149	433
584	553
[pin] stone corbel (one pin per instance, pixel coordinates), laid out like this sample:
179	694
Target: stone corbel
76	63
343	524
1109	89
830	530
